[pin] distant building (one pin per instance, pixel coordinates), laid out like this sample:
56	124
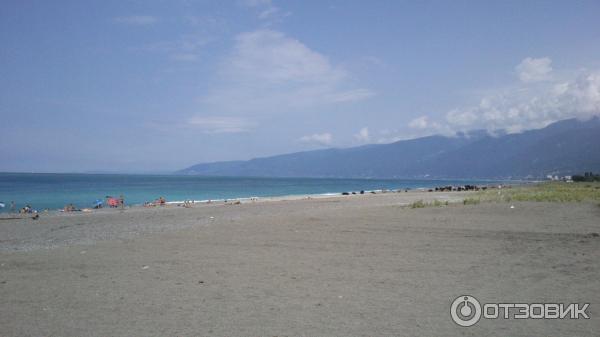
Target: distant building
559	178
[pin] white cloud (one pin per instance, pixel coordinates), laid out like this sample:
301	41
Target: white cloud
424	126
217	124
524	106
419	123
362	135
271	72
534	69
387	136
137	20
318	138
273	57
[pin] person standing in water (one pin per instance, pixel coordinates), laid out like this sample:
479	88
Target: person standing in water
122	201
13	207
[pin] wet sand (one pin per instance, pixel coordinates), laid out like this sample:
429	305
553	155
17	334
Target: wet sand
342	266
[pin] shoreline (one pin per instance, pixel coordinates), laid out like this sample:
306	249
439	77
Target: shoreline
57	229
225	202
87	210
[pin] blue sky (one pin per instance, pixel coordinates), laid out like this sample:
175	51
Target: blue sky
145	86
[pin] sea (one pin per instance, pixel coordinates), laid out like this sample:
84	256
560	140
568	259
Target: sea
48	191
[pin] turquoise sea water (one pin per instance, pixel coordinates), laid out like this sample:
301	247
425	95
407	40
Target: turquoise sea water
53	191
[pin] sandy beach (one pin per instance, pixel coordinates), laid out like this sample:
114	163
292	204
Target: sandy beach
361	265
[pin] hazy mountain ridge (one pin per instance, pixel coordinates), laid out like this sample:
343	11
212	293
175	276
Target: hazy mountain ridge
565	147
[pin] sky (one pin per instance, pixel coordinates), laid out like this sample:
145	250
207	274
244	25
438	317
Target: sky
157	86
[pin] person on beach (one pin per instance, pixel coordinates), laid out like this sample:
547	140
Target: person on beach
122	201
13	207
112	202
98	204
27	210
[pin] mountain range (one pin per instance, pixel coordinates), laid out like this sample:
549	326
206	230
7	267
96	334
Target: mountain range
565	147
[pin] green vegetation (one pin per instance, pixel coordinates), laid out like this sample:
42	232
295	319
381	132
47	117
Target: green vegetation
471	201
587	176
422	204
549	192
437	203
417	204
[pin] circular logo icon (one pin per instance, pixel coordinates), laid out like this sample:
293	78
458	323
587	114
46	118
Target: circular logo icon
465	310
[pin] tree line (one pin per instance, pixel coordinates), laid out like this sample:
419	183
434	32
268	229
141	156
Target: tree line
587	176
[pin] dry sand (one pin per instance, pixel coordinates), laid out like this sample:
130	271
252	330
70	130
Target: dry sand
345	266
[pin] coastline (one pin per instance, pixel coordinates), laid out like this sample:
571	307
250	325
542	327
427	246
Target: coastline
116	223
244	199
53	192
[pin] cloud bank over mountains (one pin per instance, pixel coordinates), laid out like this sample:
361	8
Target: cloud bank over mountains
538	99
